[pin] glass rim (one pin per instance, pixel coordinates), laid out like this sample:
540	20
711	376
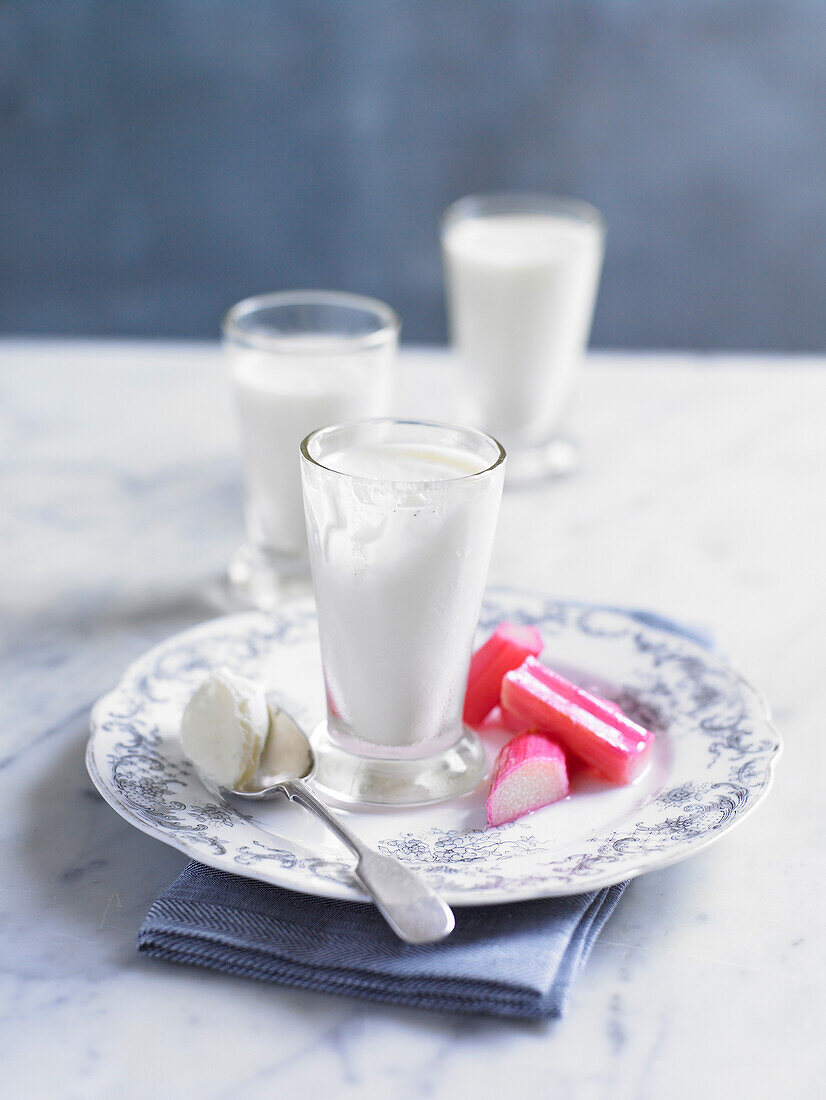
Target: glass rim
387	327
486	204
501	454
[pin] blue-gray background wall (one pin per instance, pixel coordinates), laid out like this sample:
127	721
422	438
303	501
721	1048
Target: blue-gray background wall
162	158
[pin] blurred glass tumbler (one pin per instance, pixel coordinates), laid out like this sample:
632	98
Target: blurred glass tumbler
401	517
298	360
521	275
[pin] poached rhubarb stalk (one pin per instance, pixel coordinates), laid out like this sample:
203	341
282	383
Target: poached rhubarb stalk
516	724
504	650
587	726
530	773
510	721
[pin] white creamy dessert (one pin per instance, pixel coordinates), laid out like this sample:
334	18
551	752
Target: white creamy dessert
402	462
521	290
281	398
400	541
224	727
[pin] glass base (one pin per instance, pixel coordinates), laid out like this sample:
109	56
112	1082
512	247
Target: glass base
559	457
380	781
264	579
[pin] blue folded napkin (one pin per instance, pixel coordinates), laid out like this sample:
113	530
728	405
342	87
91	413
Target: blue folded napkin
517	960
501	960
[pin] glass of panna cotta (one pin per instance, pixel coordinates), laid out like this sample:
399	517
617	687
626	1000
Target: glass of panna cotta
401	518
521	277
297	360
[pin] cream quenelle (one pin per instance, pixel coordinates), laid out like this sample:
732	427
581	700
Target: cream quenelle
224	727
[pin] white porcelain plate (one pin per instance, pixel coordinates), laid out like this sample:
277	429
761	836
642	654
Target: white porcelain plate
711	766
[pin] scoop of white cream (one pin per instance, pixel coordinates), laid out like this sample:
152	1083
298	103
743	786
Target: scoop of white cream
225	726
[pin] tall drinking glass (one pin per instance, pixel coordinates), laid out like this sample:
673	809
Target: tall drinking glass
521	274
297	360
400	519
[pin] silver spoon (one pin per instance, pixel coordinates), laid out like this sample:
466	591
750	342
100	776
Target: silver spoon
413	910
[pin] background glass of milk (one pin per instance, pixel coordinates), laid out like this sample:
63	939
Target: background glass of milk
401	517
521	274
298	360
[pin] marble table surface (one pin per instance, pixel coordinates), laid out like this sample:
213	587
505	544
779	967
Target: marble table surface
702	494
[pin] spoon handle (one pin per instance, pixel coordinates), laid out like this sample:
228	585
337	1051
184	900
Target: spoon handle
413	910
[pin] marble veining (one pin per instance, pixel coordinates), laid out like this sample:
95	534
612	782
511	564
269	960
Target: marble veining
700	495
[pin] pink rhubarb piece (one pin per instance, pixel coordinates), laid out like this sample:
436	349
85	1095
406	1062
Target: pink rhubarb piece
512	722
515	724
530	773
609	703
504	650
587	726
